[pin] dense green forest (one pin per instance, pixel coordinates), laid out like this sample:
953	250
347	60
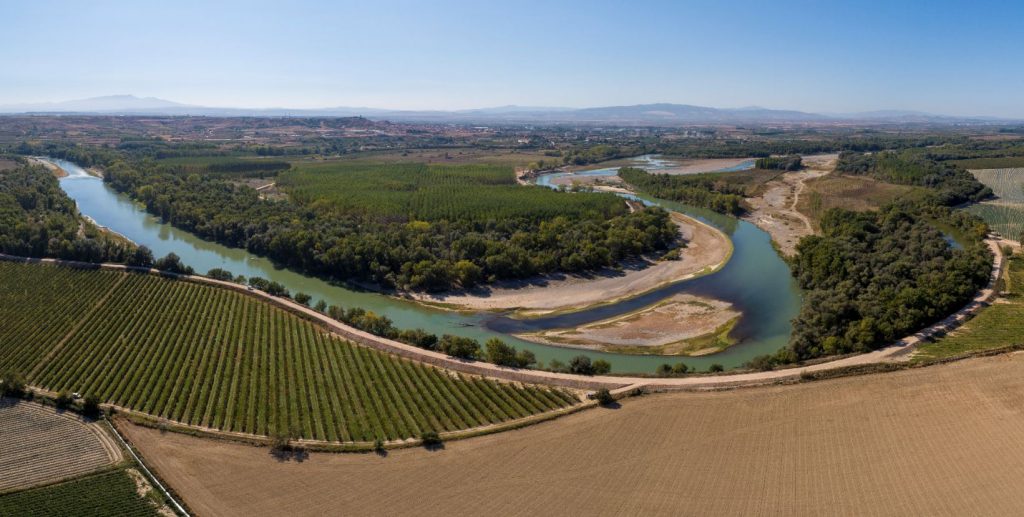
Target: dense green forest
408	226
37	219
782	163
951	184
873	277
787	145
710	190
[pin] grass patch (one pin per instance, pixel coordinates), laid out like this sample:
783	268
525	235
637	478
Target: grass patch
996	326
848	192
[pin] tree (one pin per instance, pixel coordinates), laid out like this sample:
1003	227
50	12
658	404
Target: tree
680	368
601	367
430	439
172	264
13	384
663	370
581	365
461	347
220	274
320	306
91	406
419	338
604	397
501	353
715	368
64	399
303	299
142	256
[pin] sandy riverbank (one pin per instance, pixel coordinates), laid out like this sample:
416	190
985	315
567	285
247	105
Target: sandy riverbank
775	210
53	167
708	249
680	325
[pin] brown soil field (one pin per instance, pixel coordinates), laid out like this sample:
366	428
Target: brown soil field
849	192
38	445
680	325
7	164
942	440
707	250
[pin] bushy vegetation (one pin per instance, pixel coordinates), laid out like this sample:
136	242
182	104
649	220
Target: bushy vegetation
100	495
37	219
406	226
711	190
784	163
951	185
871	278
217	358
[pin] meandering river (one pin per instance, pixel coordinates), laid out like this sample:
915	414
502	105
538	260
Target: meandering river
755	280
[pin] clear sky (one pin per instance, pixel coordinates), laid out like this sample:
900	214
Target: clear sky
952	57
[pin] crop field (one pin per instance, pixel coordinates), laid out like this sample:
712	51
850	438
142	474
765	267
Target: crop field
100	495
1006	214
941	440
220	359
43	446
998	325
431	192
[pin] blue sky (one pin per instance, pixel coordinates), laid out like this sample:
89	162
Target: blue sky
946	57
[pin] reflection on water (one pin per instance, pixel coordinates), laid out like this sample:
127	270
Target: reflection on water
755	280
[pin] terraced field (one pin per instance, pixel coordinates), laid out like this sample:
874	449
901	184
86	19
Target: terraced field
101	495
40	446
219	359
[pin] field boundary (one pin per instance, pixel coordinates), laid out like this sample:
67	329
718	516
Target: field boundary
897	351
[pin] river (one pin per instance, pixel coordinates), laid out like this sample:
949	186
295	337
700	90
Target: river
755	280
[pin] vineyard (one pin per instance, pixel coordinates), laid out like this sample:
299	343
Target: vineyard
110	493
216	358
43	446
1006	214
432	192
999	325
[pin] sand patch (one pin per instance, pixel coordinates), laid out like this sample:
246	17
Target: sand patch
680	325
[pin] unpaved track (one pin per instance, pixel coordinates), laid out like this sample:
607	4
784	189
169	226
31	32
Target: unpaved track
942	440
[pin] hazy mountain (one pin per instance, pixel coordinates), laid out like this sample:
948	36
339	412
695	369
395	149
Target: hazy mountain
106	104
642	114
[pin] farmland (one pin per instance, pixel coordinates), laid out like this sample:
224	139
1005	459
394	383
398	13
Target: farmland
942	440
996	326
43	446
100	495
435	192
1006	214
219	359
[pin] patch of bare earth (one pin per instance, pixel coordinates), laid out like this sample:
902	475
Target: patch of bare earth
775	210
53	167
39	445
681	325
698	166
707	249
942	440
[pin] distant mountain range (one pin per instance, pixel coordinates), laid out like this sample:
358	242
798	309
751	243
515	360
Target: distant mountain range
642	114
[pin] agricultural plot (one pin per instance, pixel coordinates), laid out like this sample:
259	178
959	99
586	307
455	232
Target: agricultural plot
432	192
998	325
219	359
1006	214
101	495
42	446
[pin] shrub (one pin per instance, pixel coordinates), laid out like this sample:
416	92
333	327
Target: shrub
303	299
91	406
461	347
604	397
320	306
714	368
601	367
13	384
680	368
220	274
581	365
663	370
430	439
64	399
